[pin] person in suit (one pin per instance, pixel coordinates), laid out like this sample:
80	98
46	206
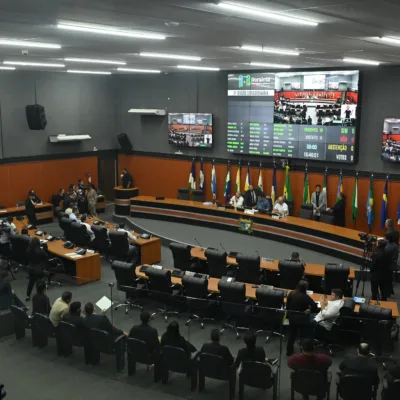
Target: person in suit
70	200
31	201
339	210
58	197
380	273
390	230
250	197
391	257
218	349
172	337
7	295
73	316
37	259
251	352
146	333
126	177
40	301
318	200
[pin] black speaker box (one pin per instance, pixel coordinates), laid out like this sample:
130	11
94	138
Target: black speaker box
36	117
124	142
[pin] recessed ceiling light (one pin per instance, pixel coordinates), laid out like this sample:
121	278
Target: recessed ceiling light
261	64
103	30
270	50
197	68
360	61
150	71
26	43
34	64
7	68
79	71
244	9
94	61
390	40
173	56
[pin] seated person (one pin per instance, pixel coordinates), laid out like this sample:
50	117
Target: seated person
74	214
330	309
40	301
251	352
262	203
60	307
132	254
172	337
218	349
70	200
237	200
7	295
6	231
121	228
296	257
24	231
73	316
281	207
146	333
88	227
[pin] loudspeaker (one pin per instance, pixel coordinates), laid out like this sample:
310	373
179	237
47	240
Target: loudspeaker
36	117
124	142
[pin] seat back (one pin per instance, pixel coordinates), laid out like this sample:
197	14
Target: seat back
119	244
213	366
198	195
61	214
20	315
57	210
160	280
290	205
19	246
65	225
393	390
183	194
355	387
175	359
101	340
290	272
336	277
44	325
69	334
216	263
124	274
101	240
79	234
309	382
181	255
270	304
248	268
233	297
139	350
196	292
306	211
327	217
256	374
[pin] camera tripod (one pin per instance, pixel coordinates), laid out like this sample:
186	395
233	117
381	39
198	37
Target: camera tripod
367	253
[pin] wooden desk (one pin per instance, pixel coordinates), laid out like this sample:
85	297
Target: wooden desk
122	199
310	269
251	292
44	212
87	268
332	240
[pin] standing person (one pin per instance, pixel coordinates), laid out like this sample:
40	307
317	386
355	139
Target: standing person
58	197
390	229
391	257
6	230
37	260
250	197
380	273
318	201
126	177
92	200
40	300
339	211
30	203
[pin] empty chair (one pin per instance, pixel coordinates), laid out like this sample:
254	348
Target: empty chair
65	225
216	261
42	330
79	234
198	195
350	387
306	211
20	204
183	194
22	321
310	383
327	216
248	270
182	257
101	241
336	277
290	273
290	206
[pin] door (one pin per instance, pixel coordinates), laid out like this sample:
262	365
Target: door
107	175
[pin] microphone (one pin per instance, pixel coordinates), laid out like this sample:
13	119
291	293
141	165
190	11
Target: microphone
223	248
202	248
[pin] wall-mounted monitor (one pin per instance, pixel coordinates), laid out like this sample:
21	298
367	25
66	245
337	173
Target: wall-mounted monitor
190	130
266	119
295	85
391	140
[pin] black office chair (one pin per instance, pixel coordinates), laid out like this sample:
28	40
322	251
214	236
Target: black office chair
336	277
182	257
216	261
163	291
19	246
71	337
22	321
79	234
306	211
65	225
258	375
61	214
350	387
101	241
269	311
20	204
183	194
175	359
119	249
127	282
327	216
57	210
290	206
42	330
290	273
391	390
233	304
198	299
213	366
310	383
248	270
198	195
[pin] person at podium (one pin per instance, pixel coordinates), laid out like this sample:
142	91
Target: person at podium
237	200
126	178
30	203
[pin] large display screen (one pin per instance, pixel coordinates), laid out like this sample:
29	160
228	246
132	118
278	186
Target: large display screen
190	130
265	119
391	140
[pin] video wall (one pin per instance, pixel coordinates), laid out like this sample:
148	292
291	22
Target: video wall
391	140
190	130
303	115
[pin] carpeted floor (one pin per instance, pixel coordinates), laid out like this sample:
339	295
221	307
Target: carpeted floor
30	373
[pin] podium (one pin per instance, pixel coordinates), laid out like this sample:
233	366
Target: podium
123	199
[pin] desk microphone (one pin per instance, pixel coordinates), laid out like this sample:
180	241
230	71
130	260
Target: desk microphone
201	247
223	248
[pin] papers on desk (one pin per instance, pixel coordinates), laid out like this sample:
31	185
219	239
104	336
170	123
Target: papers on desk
73	255
90	251
43	241
207	203
104	303
3	211
251	212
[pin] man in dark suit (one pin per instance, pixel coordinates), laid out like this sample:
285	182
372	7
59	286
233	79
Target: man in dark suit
251	352
126	178
250	197
74	316
390	230
146	333
391	255
218	349
7	295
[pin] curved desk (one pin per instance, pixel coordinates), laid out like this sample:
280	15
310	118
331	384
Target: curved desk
339	242
122	199
44	212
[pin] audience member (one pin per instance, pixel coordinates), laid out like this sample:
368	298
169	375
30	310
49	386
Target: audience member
24	231
37	261
40	301
6	231
172	337
393	370
146	333
7	295
73	316
218	349
74	214
251	352
88	227
92	200
390	230
60	307
330	309
132	254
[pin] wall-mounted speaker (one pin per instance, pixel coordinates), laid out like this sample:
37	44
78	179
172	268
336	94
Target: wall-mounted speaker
36	117
124	142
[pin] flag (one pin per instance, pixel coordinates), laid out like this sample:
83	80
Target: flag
354	200
201	177
260	180
370	203
340	187
228	183
287	190
238	179
273	187
398	213
306	190
384	204
192	177
213	182
247	182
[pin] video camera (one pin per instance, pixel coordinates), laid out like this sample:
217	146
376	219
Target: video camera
369	240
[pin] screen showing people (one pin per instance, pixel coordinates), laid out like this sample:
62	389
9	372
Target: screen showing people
391	140
190	130
304	115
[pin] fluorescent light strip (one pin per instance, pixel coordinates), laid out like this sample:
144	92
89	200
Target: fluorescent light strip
261	64
150	71
34	64
270	50
360	61
26	43
173	56
94	61
197	68
264	14
110	32
80	71
7	68
390	40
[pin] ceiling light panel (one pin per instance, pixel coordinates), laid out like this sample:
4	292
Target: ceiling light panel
360	61
80	71
270	50
7	68
269	65
34	64
26	43
171	56
94	61
197	68
149	71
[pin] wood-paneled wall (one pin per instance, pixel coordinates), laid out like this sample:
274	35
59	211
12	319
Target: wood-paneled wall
46	177
162	177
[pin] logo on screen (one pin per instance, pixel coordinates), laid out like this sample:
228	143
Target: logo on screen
244	81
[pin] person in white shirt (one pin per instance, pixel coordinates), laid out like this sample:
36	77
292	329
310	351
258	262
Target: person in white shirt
122	229
281	207
237	200
132	254
74	214
88	227
330	309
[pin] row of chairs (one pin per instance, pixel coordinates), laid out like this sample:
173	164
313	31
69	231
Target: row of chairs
327	216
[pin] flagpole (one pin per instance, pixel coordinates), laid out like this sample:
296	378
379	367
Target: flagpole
355	219
371	180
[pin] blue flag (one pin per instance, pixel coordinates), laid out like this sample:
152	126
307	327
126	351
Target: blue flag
384	204
339	188
370	203
213	182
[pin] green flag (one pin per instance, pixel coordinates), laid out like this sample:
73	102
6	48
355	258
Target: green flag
306	190
287	190
354	200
